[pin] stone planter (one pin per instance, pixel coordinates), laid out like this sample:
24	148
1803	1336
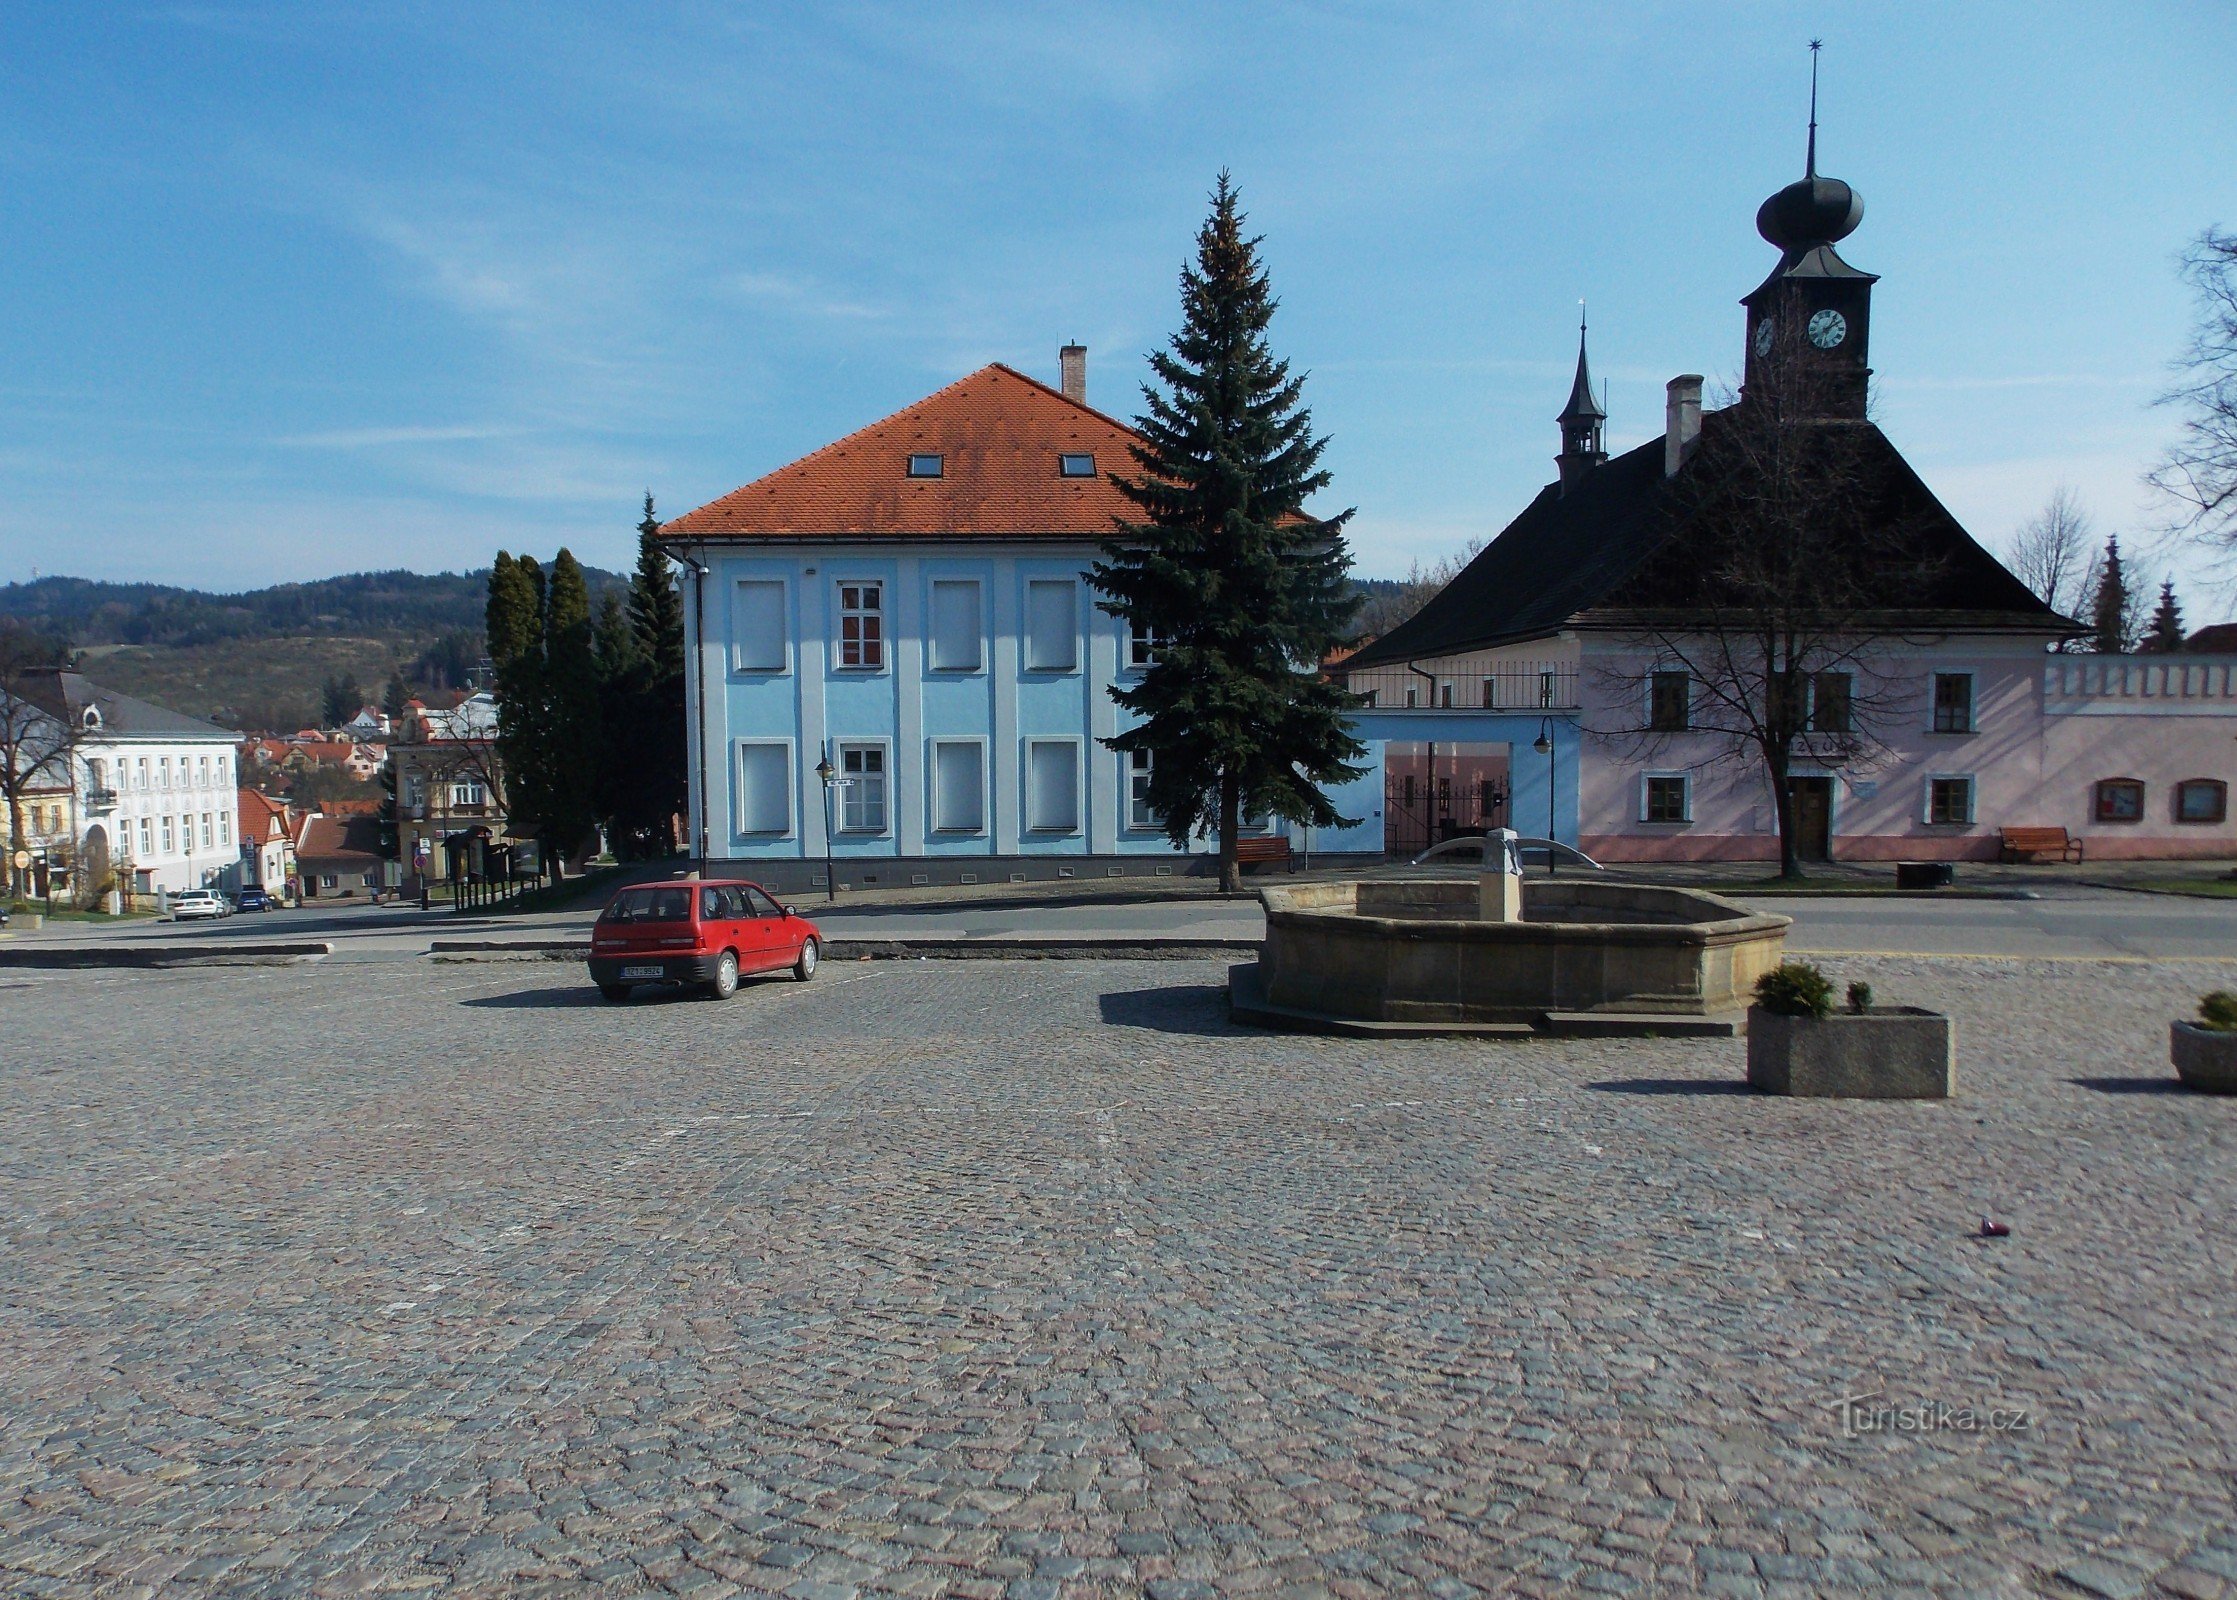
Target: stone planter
1886	1053
2204	1058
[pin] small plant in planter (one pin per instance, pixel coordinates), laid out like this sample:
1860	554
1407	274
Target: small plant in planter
1799	1045
2205	1051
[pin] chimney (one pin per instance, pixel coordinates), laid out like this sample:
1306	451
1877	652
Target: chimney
1681	421
1071	364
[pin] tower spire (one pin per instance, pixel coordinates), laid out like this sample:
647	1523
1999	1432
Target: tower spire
1810	166
1581	420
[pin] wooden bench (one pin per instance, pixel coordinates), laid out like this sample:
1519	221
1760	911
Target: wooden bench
1275	848
2025	844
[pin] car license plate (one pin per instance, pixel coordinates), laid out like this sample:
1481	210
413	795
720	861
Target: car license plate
641	972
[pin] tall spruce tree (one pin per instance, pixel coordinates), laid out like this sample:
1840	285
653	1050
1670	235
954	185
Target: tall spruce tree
2111	610
659	791
2167	622
1240	591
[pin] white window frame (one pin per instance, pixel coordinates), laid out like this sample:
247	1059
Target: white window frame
1070	830
1140	765
1685	781
841	611
468	792
1142	645
851	795
147	836
1972	784
978	629
738	630
224	829
170	833
940	824
785	786
1972	704
209	831
1028	638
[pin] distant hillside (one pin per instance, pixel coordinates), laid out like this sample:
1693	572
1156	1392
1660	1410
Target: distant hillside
258	660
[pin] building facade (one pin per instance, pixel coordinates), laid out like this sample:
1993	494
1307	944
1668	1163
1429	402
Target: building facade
450	788
151	791
908	614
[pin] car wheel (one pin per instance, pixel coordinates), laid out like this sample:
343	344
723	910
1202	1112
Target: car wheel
616	992
805	967
726	977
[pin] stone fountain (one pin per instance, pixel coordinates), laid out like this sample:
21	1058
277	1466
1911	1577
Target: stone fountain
1500	956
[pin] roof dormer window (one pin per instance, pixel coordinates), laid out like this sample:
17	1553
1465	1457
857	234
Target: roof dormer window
927	466
1076	466
91	718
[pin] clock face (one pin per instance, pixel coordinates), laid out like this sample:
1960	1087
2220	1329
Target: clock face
1828	328
1765	332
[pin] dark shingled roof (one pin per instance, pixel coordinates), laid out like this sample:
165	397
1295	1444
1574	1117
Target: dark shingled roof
60	692
1611	544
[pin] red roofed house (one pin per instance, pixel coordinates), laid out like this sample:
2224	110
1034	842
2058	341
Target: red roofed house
338	855
911	605
267	843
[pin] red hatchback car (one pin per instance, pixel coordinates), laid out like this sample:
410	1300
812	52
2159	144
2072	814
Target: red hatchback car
700	935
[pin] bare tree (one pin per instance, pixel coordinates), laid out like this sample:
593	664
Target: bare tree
1796	566
1385	610
2200	468
38	733
2053	552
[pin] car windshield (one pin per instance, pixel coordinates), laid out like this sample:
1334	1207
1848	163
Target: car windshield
650	905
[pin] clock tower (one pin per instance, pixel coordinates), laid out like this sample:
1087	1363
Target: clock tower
1813	316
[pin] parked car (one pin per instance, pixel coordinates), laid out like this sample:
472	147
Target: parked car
703	936
253	899
189	904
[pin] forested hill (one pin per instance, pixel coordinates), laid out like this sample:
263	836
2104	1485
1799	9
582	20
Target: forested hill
360	604
261	659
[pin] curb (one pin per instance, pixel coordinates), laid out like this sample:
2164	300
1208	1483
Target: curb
1115	948
243	954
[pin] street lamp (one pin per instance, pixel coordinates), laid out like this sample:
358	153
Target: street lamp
825	771
1543	744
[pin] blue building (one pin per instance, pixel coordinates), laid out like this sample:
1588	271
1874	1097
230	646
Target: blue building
910	607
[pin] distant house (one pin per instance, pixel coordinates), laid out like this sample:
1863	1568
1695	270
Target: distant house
150	791
338	856
450	785
369	723
267	843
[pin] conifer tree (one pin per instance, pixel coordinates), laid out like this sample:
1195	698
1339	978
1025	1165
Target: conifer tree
2110	609
657	785
2167	622
514	622
1240	592
573	726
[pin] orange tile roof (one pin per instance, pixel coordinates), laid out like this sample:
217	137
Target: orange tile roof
1000	434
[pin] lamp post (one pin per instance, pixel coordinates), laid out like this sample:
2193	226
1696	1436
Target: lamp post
830	878
1543	744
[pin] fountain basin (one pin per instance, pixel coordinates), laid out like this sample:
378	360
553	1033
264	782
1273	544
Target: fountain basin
1588	956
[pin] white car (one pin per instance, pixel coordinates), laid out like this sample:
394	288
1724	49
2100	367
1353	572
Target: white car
189	904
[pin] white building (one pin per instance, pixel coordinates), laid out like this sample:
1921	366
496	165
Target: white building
152	793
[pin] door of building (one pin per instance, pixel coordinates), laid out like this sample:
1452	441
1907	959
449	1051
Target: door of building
1812	799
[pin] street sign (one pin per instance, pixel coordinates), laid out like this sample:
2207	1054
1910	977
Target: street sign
23	858
840	783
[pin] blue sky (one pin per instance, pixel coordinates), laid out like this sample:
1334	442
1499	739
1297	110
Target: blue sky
295	289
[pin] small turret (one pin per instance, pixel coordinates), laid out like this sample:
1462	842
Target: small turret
1582	421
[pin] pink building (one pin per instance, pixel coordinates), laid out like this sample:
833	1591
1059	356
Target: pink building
1931	710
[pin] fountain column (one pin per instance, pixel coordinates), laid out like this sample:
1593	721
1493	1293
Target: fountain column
1499	888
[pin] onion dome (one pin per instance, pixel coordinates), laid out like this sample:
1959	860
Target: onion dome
1810	211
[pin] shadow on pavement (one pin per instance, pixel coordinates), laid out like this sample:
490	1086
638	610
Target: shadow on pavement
1199	1008
2163	1085
1671	1086
581	994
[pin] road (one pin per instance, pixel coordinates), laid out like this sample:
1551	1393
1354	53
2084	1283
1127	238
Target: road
2067	921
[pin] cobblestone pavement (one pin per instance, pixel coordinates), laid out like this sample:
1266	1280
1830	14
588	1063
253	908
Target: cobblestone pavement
1040	1279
